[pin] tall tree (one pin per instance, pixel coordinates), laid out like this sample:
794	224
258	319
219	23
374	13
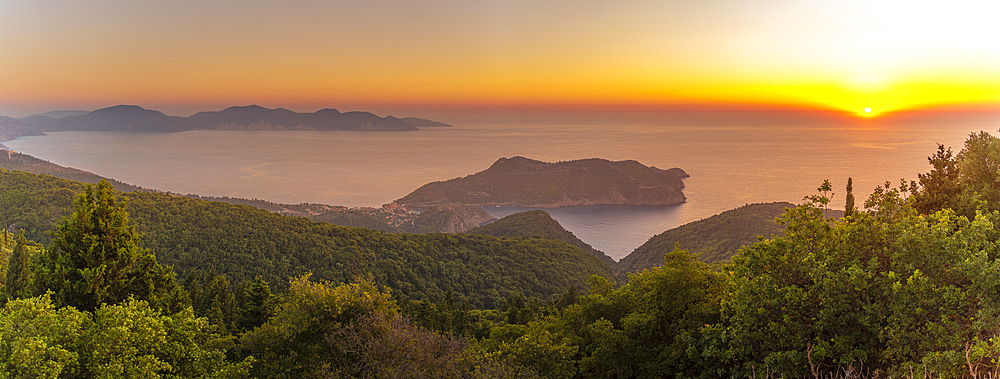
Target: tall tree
849	199
941	187
19	269
95	257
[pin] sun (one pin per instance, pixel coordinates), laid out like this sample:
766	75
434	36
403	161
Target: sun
868	111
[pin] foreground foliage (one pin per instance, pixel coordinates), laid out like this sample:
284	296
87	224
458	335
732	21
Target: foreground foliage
37	340
355	331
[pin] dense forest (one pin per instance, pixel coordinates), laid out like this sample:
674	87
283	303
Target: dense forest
200	237
905	285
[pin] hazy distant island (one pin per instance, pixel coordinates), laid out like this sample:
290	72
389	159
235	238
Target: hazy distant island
132	118
520	181
11	128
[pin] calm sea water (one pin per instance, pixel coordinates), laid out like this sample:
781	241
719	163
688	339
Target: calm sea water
734	158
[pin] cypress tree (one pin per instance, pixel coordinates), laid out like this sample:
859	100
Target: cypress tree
849	206
95	257
19	269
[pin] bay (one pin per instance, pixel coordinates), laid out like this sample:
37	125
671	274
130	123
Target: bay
734	158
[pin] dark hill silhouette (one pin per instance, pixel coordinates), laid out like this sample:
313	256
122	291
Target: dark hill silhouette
254	117
530	183
422	123
133	118
119	118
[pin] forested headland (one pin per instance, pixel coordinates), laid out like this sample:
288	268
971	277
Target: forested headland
905	284
530	183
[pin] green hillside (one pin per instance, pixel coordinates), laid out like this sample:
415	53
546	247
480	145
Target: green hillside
242	242
537	224
713	239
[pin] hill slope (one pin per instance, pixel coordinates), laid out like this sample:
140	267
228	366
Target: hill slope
530	183
11	128
195	236
537	224
714	239
27	163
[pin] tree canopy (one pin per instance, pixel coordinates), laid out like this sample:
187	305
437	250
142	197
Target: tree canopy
95	257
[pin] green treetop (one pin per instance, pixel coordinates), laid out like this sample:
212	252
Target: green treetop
19	269
849	200
95	257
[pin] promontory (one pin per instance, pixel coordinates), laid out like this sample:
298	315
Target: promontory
520	181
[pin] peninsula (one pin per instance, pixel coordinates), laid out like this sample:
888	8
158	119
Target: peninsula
520	181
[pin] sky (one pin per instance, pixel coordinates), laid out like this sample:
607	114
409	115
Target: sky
181	56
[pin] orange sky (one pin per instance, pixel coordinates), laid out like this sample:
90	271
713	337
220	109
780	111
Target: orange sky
184	56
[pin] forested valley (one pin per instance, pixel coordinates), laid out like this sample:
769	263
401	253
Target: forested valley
98	283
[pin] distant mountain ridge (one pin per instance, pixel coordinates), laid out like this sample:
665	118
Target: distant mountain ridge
530	183
119	118
254	117
133	118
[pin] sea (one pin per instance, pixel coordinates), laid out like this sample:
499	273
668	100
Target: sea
733	158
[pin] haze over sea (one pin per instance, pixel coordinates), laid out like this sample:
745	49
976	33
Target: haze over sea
734	158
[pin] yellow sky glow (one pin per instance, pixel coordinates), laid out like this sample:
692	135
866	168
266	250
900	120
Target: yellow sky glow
836	55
